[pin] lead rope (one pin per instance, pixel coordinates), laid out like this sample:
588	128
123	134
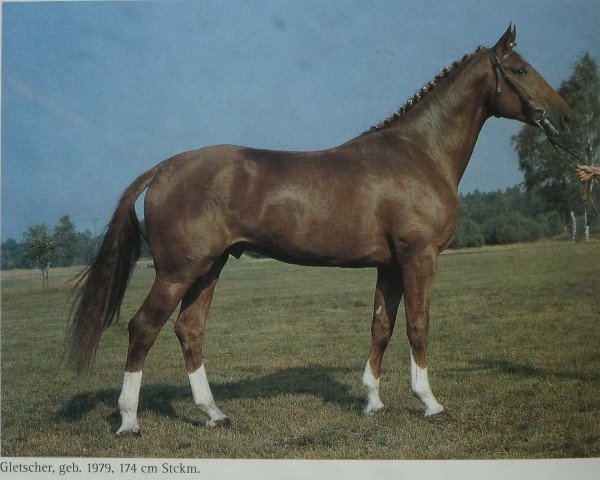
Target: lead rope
588	199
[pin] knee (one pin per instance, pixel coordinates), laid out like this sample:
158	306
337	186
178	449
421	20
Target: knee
187	336
381	333
417	336
180	330
142	332
382	340
138	327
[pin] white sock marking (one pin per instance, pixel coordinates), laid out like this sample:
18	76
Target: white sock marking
203	396
128	401
419	383
371	387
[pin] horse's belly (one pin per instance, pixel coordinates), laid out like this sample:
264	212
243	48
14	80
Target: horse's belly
326	245
313	227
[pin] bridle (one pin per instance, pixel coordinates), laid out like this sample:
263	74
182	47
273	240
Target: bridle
537	114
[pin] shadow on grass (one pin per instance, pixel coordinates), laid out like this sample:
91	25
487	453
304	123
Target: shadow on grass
314	380
527	371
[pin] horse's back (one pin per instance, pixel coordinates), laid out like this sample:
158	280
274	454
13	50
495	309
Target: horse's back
302	207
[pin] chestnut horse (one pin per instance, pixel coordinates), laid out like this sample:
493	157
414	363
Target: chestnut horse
386	199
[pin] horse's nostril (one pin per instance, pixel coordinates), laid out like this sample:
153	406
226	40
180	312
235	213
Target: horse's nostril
566	119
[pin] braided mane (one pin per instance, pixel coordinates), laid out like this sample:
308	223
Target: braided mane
417	97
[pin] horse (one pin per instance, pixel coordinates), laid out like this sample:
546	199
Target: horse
387	199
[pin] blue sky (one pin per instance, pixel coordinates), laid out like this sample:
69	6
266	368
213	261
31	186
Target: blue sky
95	93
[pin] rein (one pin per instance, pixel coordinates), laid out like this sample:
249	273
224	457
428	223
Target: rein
557	145
538	116
587	198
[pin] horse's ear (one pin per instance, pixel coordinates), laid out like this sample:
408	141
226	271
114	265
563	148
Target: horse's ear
506	42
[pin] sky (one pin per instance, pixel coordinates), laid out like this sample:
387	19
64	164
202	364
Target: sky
95	93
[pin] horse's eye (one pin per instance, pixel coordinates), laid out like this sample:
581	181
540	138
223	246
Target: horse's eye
521	72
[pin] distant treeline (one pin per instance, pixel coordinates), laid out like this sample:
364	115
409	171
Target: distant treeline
490	218
62	246
501	217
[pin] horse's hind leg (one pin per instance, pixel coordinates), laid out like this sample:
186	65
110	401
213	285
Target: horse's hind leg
189	328
387	297
144	326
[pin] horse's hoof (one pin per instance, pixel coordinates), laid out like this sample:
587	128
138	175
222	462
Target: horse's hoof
374	411
379	411
129	434
222	423
442	417
434	410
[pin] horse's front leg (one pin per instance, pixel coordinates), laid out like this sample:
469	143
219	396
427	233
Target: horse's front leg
387	297
418	271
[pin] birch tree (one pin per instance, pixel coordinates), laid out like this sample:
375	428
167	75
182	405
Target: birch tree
39	248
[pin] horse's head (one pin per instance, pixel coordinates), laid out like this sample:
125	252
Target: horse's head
521	92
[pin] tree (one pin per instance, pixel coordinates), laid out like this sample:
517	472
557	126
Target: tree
468	234
86	248
39	249
547	171
500	217
67	247
67	242
512	227
12	254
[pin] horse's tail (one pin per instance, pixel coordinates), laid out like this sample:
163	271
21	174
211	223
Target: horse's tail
100	290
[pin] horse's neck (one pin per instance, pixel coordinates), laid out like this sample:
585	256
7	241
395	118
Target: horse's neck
448	121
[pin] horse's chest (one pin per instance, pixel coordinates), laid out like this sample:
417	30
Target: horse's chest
422	220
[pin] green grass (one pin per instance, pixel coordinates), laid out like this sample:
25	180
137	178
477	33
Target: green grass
514	357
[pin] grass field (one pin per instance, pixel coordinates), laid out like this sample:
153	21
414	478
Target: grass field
514	357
